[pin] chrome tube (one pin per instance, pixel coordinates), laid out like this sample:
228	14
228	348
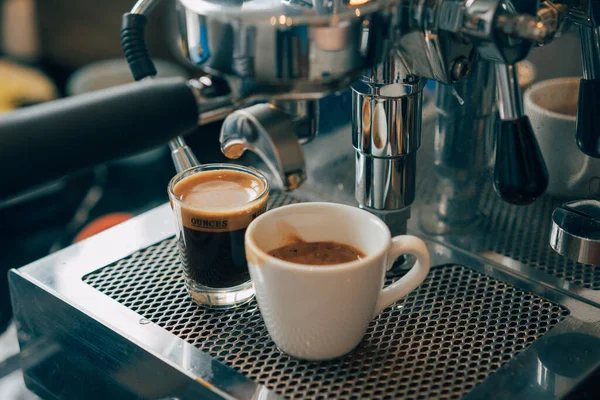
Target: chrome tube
590	51
304	115
510	100
462	148
183	157
386	133
144	6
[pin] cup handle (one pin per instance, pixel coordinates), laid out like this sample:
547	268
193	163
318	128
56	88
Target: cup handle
405	244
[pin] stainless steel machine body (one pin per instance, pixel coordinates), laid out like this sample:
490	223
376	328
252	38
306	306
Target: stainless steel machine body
109	318
284	50
295	51
463	144
501	314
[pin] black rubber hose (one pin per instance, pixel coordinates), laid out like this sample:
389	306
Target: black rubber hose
134	46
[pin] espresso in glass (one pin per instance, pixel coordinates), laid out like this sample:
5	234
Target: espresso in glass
213	205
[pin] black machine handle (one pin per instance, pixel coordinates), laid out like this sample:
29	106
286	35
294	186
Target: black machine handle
520	173
47	141
588	117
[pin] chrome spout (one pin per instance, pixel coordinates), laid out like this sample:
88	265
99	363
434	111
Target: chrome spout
386	133
269	133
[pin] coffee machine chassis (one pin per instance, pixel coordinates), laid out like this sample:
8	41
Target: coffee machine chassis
500	315
109	318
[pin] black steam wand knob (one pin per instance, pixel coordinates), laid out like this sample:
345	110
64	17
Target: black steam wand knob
587	132
520	173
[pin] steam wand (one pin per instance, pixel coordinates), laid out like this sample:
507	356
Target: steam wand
275	129
142	67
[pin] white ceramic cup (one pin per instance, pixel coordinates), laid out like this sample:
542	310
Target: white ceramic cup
551	106
322	312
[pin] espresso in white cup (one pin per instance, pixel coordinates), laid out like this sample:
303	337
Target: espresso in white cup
319	312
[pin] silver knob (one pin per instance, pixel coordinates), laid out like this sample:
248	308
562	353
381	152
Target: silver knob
576	231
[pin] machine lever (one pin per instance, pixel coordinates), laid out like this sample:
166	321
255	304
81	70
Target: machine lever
588	116
520	173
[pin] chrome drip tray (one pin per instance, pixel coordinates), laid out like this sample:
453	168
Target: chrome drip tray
113	320
445	338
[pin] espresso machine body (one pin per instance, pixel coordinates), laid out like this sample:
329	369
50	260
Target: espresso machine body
502	314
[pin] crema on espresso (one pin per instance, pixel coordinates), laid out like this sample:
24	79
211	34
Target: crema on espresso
216	208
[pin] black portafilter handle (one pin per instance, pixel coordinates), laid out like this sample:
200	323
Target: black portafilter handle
42	143
520	173
587	133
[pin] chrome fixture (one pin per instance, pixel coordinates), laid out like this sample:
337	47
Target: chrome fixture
292	53
576	231
286	53
386	129
463	145
269	132
277	59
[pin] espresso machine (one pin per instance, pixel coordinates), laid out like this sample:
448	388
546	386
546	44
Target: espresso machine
512	305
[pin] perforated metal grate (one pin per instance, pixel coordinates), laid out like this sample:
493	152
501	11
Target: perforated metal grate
521	233
446	337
